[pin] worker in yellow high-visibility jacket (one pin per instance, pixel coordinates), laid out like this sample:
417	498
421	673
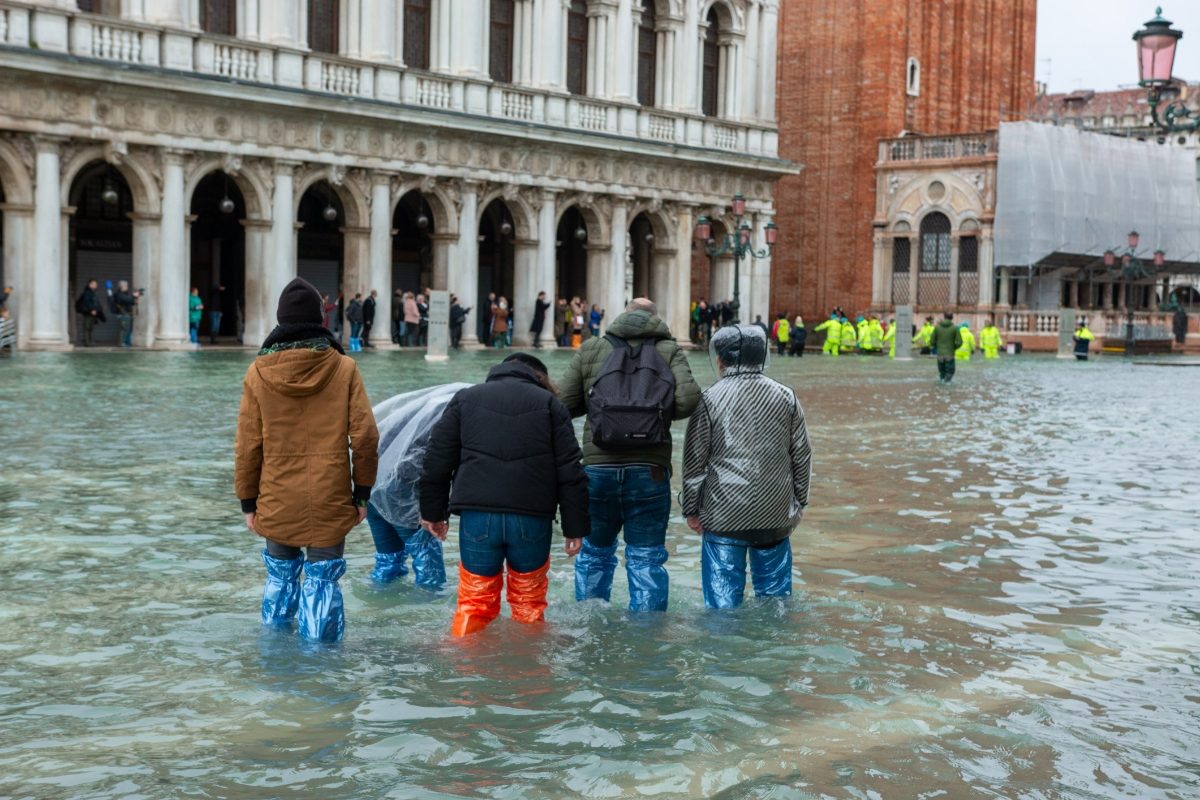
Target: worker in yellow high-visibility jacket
889	339
849	337
990	341
833	334
923	341
964	351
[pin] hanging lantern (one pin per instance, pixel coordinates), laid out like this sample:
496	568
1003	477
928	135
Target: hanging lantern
744	234
226	205
649	238
771	231
422	221
1156	45
1160	258
330	213
506	228
703	229
1134	238
109	195
581	233
739	205
1110	258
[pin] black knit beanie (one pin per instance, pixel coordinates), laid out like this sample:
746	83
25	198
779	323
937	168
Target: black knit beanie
300	304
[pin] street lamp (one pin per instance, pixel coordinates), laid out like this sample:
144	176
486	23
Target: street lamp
738	243
1156	44
1132	269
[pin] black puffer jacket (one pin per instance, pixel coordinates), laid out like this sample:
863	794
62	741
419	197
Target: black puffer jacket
506	446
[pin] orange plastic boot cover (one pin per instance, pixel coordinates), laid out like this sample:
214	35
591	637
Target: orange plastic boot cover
527	593
478	601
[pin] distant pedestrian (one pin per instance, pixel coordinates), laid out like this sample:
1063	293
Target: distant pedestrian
368	318
562	322
195	314
597	316
540	307
990	340
327	309
945	340
967	348
1083	341
124	305
924	338
747	463
458	318
411	326
87	305
304	463
1179	325
216	310
423	325
499	332
505	458
397	315
354	315
781	332
798	335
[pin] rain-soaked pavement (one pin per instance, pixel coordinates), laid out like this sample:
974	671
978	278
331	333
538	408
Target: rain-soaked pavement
997	596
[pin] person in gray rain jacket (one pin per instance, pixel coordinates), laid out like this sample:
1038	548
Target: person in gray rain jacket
747	462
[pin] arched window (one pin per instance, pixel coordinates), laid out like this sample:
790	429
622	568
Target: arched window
711	66
323	26
218	16
912	78
647	54
500	40
417	18
935	243
577	47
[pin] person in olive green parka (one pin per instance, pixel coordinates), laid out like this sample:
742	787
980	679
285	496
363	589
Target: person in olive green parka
946	339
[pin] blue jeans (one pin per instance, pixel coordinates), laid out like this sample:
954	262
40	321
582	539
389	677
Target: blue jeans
355	329
635	499
393	545
723	570
486	541
194	332
214	324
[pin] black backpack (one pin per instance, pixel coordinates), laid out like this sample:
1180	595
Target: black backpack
632	401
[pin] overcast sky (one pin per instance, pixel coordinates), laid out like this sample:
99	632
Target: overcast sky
1087	44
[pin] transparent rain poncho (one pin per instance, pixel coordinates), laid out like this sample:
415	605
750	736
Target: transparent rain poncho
405	422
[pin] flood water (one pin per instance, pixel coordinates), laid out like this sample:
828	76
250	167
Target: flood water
997	595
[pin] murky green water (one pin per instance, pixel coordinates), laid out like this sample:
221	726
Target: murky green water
997	595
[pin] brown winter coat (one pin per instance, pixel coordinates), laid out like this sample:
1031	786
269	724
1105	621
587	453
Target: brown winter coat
302	413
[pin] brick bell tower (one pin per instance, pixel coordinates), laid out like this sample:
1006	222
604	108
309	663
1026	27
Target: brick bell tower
853	72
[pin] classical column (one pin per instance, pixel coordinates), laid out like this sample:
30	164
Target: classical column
880	273
767	50
547	250
146	257
1005	288
467	23
356	258
679	316
549	30
954	249
624	35
914	270
281	268
18	245
613	299
49	287
687	61
760	270
379	272
170	281
987	280
523	11
443	249
258	315
464	279
525	264
748	96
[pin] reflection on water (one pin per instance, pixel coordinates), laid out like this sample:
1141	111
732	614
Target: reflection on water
996	596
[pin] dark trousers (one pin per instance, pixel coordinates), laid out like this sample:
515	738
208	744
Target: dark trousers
946	369
488	540
315	554
366	332
455	335
89	326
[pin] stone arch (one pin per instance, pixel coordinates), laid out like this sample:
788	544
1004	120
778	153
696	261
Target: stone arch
660	224
594	221
15	179
354	202
730	16
141	177
249	182
441	205
524	218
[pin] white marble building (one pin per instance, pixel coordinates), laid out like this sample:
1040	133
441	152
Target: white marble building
474	145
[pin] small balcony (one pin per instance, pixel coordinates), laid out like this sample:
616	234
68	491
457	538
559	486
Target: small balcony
937	148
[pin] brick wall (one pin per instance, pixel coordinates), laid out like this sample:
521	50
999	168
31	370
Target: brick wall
842	88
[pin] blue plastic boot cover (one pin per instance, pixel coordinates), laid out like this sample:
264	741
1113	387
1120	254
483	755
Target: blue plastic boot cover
429	568
282	591
594	568
321	616
648	585
723	571
771	570
389	567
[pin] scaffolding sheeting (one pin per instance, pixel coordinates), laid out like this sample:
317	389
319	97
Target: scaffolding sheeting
1064	196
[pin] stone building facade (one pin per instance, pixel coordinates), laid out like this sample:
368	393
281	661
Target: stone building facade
854	73
476	145
1120	112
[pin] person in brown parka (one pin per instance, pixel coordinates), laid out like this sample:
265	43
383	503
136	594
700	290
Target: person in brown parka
305	461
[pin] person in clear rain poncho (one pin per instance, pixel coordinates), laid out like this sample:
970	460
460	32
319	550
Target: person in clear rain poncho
405	422
746	468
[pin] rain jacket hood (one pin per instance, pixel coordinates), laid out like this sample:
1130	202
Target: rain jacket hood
297	373
639	325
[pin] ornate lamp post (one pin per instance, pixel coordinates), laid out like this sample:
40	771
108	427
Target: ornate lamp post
736	243
1156	45
1132	269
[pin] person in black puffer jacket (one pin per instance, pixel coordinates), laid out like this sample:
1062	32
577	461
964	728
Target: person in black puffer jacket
505	458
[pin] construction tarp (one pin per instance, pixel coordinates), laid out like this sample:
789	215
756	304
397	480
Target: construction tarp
1064	195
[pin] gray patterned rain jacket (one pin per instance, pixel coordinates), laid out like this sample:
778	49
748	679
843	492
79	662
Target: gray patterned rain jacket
747	460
